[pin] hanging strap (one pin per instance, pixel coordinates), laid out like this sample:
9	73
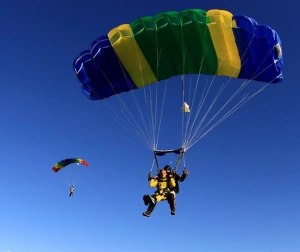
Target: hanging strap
150	173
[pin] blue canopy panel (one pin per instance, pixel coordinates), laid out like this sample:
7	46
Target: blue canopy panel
164	152
100	71
260	50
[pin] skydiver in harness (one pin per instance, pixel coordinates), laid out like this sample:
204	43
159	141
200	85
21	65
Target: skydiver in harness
174	190
72	189
163	184
171	186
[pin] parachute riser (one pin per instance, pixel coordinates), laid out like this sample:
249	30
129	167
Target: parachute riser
156	161
180	156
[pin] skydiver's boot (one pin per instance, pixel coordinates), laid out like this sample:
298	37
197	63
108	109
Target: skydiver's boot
147	214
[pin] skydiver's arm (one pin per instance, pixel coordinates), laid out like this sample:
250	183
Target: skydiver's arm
180	178
150	176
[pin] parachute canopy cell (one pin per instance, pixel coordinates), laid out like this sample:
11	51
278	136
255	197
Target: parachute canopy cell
63	163
193	41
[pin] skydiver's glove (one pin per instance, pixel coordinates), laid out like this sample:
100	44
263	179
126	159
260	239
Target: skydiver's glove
149	176
185	172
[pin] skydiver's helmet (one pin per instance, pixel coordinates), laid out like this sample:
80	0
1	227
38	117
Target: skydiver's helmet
167	168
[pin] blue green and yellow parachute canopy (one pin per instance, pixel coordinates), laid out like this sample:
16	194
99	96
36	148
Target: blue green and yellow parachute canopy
193	41
63	163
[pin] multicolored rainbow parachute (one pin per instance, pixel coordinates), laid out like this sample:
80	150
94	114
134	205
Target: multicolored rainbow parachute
193	41
63	163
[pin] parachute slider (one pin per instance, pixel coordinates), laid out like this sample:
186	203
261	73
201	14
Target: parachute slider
163	152
185	108
179	152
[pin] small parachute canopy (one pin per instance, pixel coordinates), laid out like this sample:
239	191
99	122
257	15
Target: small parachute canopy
63	163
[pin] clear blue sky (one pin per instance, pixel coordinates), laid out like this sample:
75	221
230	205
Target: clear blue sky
243	191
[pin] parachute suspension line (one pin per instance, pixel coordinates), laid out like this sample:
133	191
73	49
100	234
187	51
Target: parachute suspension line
147	130
68	174
203	98
161	113
77	173
158	56
153	115
195	92
235	108
201	102
192	105
127	125
152	112
196	131
155	118
244	100
149	141
148	116
120	120
209	109
185	106
182	83
139	134
188	116
138	106
152	118
72	174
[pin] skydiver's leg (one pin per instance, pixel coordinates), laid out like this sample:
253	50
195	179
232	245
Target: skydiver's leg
147	199
151	200
172	202
149	209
